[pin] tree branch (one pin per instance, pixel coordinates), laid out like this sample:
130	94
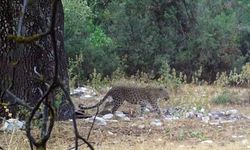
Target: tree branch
13	99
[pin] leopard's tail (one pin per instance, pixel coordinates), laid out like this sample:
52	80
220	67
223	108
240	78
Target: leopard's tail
98	104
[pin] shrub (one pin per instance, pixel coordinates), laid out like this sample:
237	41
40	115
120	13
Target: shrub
224	98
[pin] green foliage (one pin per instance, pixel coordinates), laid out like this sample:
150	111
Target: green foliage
198	39
99	39
223	98
234	78
76	74
87	44
170	78
97	81
245	74
183	134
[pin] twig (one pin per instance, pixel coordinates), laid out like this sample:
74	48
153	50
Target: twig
91	128
43	141
77	135
93	123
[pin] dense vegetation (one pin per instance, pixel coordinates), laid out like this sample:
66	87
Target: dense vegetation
152	36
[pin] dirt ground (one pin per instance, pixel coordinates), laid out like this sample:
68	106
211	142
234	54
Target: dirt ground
138	134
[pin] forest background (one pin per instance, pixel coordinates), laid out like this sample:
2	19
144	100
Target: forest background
200	39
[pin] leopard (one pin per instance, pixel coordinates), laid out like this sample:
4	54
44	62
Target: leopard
133	95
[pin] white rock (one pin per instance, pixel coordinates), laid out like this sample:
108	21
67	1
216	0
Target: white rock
110	133
190	115
120	114
134	124
11	124
88	96
207	142
171	118
159	140
227	121
141	126
98	120
79	90
126	119
113	121
107	116
205	119
202	110
231	112
156	122
141	118
199	115
168	119
214	123
194	108
147	110
238	136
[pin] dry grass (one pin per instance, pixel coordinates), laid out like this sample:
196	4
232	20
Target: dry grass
173	135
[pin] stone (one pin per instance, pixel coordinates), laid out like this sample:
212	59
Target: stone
214	123
120	114
113	121
199	115
141	118
217	113
205	119
126	119
147	110
110	133
87	96
141	126
98	120
231	112
156	122
78	91
11	124
194	108
170	118
202	110
190	115
227	121
107	116
207	142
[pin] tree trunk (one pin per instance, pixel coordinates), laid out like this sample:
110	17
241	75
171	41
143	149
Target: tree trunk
21	64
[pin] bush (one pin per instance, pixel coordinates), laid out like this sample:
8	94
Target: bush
233	78
223	98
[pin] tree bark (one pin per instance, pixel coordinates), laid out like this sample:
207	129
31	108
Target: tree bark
25	67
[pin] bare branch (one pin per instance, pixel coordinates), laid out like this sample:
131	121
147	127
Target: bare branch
93	123
43	141
77	135
13	99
